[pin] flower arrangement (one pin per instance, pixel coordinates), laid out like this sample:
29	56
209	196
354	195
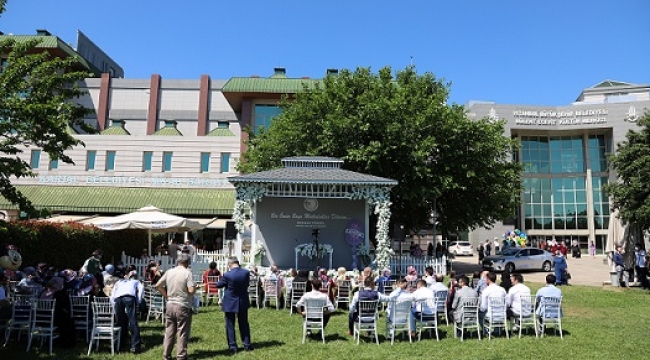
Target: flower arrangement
312	253
258	252
331	273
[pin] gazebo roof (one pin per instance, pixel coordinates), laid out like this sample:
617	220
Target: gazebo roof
313	170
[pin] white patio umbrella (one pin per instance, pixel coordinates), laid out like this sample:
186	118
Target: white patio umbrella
615	234
150	218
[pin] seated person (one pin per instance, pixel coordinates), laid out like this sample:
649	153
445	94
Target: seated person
429	276
31	283
491	290
385	276
367	273
412	274
438	284
400	294
547	291
211	287
303	276
368	293
274	274
316	294
513	299
464	292
421	296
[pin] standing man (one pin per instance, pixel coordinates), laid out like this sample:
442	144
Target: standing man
235	303
126	297
619	265
496	245
640	263
178	288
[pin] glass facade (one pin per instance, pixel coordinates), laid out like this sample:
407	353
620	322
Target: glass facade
264	113
555	182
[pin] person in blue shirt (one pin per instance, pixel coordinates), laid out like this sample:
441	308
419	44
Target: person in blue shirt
548	291
640	263
619	265
560	265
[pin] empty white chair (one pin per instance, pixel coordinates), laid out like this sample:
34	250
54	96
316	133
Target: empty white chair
156	303
428	321
343	293
469	317
80	307
298	289
21	316
526	318
551	314
104	326
314	319
253	291
288	282
496	316
400	313
367	320
271	292
42	322
441	305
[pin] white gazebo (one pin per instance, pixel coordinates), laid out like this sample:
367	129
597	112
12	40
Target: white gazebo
312	195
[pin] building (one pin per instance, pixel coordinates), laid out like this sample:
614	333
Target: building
90	57
564	152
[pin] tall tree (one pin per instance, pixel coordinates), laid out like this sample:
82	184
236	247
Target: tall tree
399	126
631	161
36	111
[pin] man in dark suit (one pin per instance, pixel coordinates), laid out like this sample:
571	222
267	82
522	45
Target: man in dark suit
235	302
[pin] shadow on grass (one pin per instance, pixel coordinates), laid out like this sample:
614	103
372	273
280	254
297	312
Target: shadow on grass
209	354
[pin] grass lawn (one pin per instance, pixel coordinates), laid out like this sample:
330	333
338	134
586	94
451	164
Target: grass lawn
598	324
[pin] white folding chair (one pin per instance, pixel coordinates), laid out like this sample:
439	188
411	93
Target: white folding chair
21	316
427	321
156	304
343	293
469	317
389	286
526	318
314	319
211	290
441	305
496	316
42	322
551	314
298	289
400	313
80	311
104	326
253	291
288	282
367	320
271	293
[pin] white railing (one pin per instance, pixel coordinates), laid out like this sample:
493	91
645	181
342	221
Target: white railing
420	263
200	261
202	255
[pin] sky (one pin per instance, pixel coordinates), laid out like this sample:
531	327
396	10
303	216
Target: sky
506	51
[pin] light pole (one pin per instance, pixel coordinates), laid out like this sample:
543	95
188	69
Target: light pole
433	160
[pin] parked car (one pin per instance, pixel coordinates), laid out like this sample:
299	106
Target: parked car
526	258
461	248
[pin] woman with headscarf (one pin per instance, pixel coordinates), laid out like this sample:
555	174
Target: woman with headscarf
54	289
560	265
411	274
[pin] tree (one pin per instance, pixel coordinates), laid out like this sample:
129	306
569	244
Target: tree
631	162
399	127
35	111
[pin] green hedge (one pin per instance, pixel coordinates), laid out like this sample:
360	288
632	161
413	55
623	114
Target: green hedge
68	245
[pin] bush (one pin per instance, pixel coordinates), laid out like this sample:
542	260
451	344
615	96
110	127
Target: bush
68	245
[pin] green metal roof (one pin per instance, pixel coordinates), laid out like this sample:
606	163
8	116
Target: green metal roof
115	130
94	199
168	131
53	42
268	85
220	132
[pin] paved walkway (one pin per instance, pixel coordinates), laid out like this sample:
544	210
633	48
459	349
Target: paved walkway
590	271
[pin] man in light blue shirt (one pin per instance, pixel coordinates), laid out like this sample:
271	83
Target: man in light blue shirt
127	295
546	292
640	263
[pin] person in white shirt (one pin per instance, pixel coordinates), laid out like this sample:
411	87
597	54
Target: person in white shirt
491	290
429	276
400	294
423	297
127	295
513	299
316	294
439	284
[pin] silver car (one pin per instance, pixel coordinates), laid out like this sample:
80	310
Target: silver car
526	258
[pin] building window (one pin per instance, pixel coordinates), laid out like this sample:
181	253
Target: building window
170	123
167	161
35	159
147	157
205	162
110	161
264	113
225	162
90	160
223	124
54	164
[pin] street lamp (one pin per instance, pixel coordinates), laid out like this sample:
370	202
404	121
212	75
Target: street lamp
433	160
